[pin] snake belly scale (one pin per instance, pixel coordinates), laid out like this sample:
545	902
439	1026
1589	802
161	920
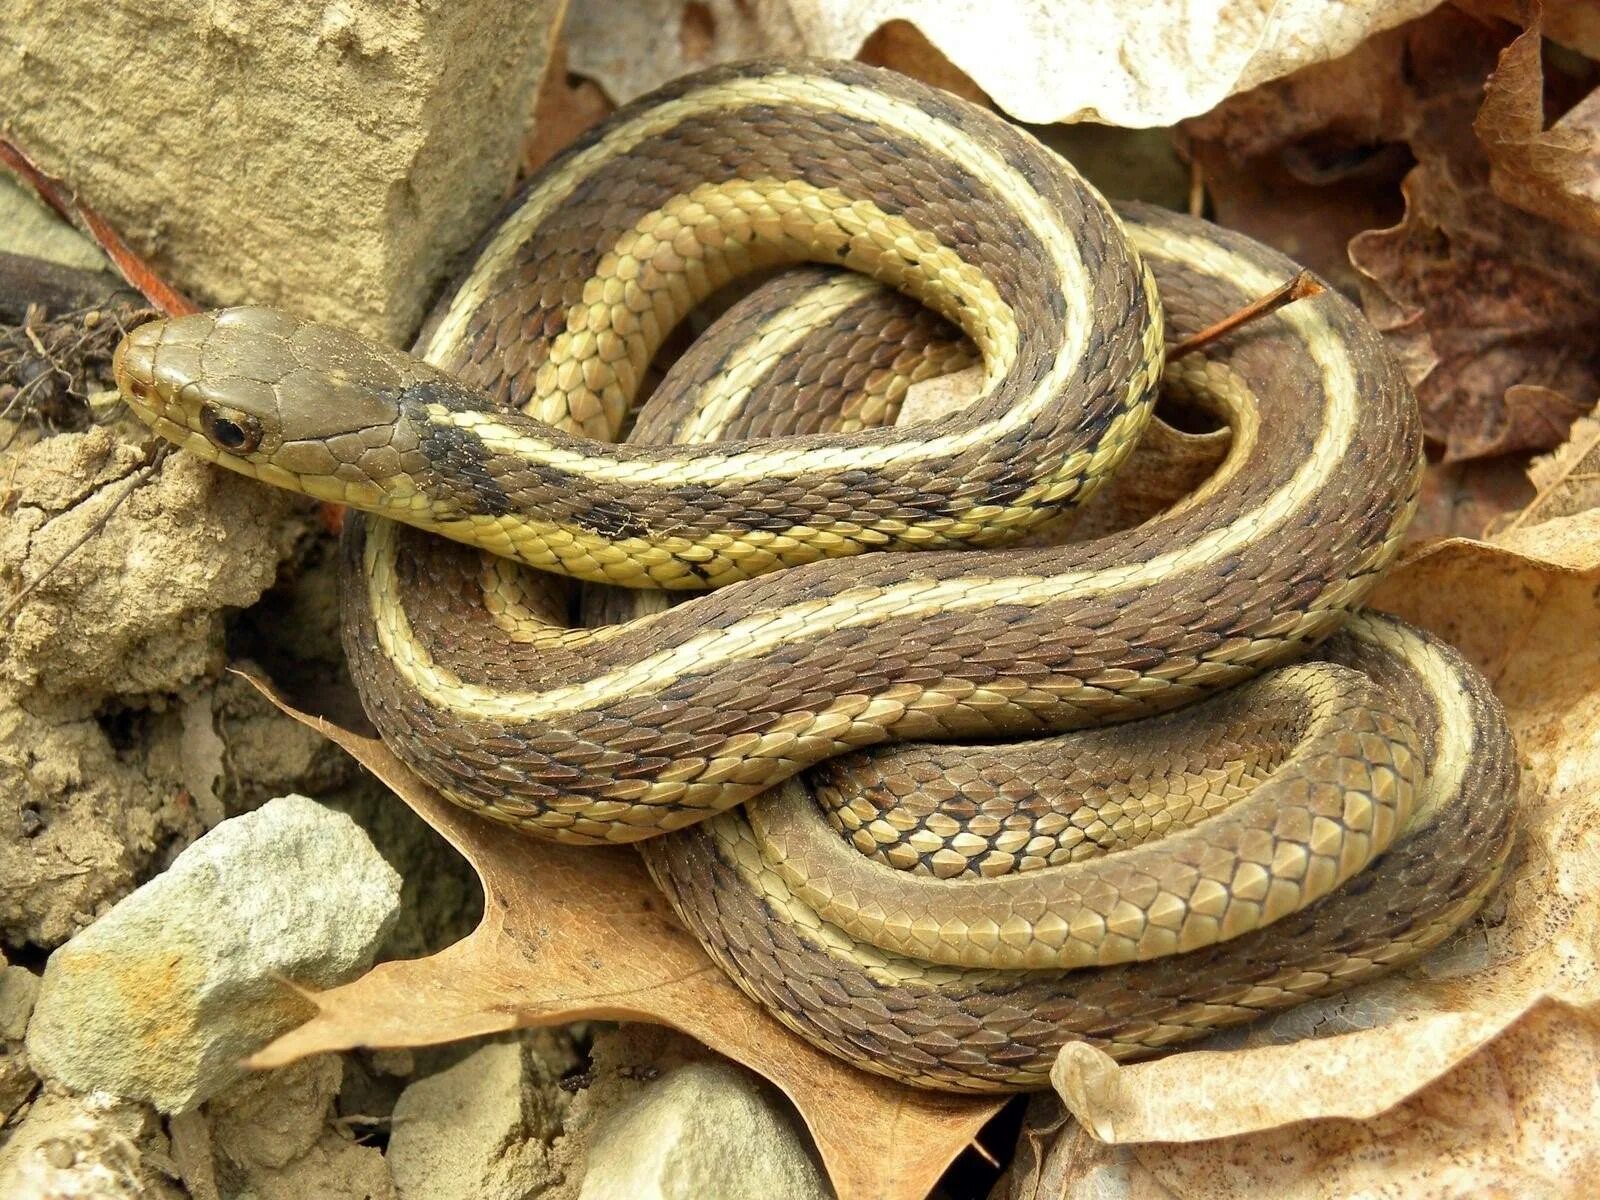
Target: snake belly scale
499	435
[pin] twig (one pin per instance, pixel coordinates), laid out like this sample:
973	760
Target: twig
1301	287
984	1153
132	267
1197	188
132	483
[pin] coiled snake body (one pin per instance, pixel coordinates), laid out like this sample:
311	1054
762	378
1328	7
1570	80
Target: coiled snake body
969	909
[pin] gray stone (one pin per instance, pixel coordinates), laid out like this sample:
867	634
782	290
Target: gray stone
705	1131
482	1129
162	997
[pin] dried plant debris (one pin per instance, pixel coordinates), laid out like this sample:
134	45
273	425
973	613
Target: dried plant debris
1492	308
50	364
1552	173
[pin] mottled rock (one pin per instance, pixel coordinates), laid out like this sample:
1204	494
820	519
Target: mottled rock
18	989
482	1129
138	607
269	1137
327	155
87	1148
704	1131
161	998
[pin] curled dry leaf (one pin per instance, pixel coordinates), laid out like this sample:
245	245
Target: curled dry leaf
1492	310
572	934
1518	1118
1553	173
1043	61
1567	482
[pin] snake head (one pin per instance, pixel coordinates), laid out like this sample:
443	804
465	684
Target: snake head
289	402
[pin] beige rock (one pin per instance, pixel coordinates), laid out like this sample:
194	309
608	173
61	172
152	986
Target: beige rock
325	155
269	1138
19	987
705	1131
85	825
137	608
87	1148
482	1129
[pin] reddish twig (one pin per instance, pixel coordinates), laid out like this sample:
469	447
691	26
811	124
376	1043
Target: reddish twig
131	266
1301	287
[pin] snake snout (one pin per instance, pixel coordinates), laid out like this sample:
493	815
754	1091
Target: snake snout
133	367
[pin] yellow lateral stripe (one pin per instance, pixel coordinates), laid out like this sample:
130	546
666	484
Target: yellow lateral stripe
858	606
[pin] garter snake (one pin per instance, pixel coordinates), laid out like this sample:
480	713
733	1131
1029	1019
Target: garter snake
499	435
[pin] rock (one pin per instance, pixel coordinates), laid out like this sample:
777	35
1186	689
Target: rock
79	826
327	155
268	1137
28	228
441	898
138	608
704	1131
161	998
18	989
482	1129
87	1148
113	734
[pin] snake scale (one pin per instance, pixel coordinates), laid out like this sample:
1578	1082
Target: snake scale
946	914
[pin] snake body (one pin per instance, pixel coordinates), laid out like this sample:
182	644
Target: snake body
964	974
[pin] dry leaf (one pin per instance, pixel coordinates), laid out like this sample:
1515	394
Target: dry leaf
1553	173
1566	482
1492	311
1468	499
567	105
1520	1118
1307	162
572	934
1043	61
1571	23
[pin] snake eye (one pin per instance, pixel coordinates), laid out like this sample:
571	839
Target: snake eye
237	434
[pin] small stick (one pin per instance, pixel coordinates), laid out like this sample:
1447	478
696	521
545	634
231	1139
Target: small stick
1301	287
983	1152
133	268
1197	188
133	482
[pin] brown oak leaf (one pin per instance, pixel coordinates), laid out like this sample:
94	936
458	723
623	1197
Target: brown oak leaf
1552	173
574	933
1492	310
